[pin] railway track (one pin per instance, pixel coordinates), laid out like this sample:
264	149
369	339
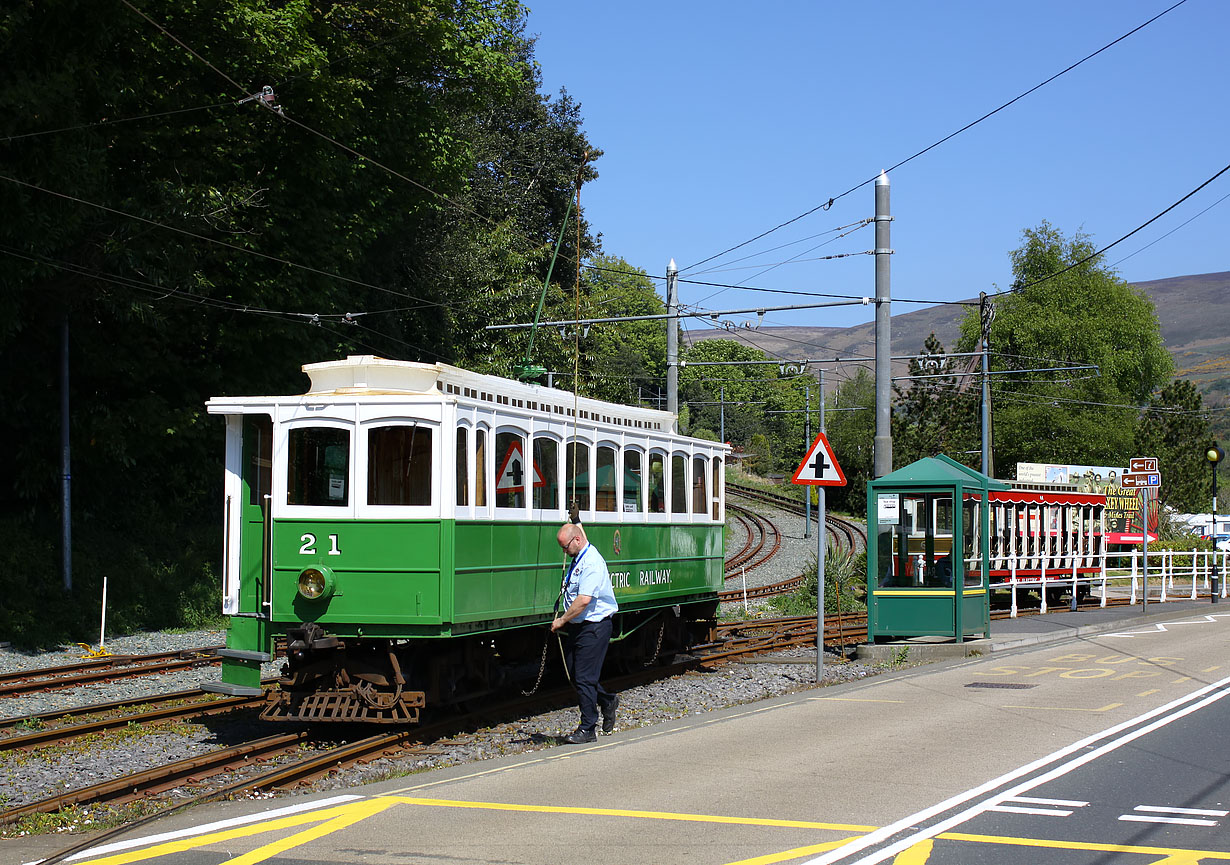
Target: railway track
845	533
104	670
764	540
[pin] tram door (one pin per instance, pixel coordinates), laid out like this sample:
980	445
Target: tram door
255	515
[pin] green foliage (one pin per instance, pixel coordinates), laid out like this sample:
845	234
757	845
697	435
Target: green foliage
936	415
193	238
1176	430
851	432
1082	315
845	586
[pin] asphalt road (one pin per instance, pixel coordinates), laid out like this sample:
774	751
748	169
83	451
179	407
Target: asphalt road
1104	749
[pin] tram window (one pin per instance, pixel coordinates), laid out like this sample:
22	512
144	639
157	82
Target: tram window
546	468
318	470
679	484
657	483
258	457
605	488
511	470
632	482
463	467
577	471
399	465
700	498
717	488
480	468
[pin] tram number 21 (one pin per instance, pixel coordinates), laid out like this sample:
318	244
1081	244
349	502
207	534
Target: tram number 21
309	545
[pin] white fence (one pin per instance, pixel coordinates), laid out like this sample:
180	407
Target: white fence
1172	576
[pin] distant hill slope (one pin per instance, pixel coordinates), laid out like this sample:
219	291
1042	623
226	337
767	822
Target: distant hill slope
1194	312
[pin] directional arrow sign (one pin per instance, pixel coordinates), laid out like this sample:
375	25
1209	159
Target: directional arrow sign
819	468
1141	479
1142	464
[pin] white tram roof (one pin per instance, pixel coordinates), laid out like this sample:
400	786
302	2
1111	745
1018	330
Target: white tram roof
361	376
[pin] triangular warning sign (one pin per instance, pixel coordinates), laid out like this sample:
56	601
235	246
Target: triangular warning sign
511	477
819	468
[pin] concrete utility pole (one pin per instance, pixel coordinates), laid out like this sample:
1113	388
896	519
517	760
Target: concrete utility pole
672	341
882	458
987	314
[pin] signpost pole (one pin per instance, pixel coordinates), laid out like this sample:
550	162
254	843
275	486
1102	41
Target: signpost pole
1144	524
821	536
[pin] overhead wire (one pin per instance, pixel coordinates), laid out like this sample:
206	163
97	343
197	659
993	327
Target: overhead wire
1172	231
98	123
1099	252
828	204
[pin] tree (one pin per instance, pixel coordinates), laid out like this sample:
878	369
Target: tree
1066	308
937	413
851	432
1175	429
202	237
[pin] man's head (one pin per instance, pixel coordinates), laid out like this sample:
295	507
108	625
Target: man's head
571	539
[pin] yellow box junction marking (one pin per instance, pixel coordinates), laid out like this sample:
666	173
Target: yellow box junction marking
1173	855
1105	708
643	815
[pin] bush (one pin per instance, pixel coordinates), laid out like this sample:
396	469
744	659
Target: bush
845	586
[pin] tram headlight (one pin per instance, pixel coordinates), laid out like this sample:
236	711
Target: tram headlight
316	583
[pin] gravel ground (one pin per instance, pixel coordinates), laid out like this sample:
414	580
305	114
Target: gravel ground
28	777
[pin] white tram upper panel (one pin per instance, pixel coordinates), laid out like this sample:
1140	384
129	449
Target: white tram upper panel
377	438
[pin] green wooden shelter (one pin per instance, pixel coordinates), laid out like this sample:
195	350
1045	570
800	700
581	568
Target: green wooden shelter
928	527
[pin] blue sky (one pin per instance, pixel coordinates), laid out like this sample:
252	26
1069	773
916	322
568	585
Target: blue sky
720	120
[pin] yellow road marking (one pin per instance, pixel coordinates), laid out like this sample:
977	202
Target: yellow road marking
1148	692
260	854
644	815
1174	854
1211	669
916	855
854	700
1105	708
183	844
796	853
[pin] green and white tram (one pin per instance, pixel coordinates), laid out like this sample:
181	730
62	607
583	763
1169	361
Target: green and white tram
396	526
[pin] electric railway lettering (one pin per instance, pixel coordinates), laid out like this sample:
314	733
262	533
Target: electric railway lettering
619	579
309	545
654	578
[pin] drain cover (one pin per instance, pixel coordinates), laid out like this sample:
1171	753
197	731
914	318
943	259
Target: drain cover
1012	686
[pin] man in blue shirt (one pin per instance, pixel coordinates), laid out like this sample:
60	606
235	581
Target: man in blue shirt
589	604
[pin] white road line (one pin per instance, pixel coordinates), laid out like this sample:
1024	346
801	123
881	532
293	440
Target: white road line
1194	812
1179	821
1031	800
1206	695
1018	809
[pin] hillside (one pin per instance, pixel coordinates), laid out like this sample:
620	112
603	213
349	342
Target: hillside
1194	313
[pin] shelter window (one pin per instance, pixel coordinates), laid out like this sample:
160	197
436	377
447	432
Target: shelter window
318	470
910	552
546	474
971	546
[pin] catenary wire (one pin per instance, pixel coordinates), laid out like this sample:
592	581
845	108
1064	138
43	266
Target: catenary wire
828	204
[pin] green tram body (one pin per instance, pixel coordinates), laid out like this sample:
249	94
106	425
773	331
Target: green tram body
388	525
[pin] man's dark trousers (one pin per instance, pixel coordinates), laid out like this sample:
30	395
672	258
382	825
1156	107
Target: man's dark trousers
587	645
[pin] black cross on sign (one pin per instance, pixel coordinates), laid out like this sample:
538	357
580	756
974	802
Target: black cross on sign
820	465
515	473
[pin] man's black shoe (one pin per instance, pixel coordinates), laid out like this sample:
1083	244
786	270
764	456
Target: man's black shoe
608	715
580	737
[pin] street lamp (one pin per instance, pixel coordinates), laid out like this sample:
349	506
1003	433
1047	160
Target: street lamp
1214	455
